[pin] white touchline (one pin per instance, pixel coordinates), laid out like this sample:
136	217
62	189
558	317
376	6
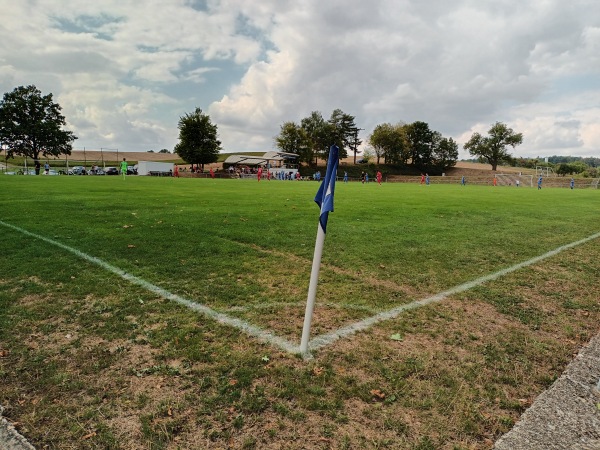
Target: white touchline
327	339
299	304
319	341
246	327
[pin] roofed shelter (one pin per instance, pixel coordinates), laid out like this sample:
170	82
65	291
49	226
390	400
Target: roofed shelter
270	160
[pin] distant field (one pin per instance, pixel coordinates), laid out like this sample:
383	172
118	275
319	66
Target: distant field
91	359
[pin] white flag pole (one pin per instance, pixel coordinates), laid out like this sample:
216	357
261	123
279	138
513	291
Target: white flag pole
324	199
312	290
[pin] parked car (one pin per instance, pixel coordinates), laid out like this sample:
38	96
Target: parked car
77	170
21	172
26	172
111	171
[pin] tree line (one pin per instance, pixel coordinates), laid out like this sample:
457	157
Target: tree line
563	165
413	145
402	144
313	136
31	125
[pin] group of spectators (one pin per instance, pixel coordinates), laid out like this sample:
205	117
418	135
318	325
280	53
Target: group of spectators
38	168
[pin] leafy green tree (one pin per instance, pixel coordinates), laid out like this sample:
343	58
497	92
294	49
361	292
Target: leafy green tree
319	134
389	142
420	140
354	142
527	163
293	139
30	125
344	132
379	140
493	148
564	169
445	154
315	135
367	155
198	143
427	149
579	166
571	168
164	150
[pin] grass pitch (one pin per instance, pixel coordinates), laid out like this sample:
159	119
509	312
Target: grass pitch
90	360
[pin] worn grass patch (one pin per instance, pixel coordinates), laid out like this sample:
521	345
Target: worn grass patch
89	360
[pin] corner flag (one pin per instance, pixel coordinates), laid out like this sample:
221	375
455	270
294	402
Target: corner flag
324	199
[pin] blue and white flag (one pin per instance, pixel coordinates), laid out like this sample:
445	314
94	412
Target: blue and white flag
324	197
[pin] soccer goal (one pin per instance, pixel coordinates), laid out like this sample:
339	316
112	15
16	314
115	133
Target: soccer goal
544	171
67	166
514	179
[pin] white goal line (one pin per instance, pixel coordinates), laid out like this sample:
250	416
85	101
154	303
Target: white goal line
317	342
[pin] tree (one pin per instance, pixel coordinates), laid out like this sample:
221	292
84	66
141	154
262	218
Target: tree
319	134
421	142
198	143
564	169
389	142
30	125
293	139
344	132
445	154
493	148
315	135
380	140
354	142
164	150
570	168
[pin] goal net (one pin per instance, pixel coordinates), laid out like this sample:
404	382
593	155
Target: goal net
514	179
67	166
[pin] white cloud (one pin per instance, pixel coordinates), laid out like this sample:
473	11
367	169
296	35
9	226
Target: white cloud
123	72
451	65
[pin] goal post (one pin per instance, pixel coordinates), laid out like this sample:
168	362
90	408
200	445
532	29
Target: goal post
514	179
66	166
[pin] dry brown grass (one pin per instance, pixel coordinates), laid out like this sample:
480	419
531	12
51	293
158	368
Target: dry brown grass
460	376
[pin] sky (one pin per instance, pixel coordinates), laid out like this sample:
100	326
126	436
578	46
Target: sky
125	71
